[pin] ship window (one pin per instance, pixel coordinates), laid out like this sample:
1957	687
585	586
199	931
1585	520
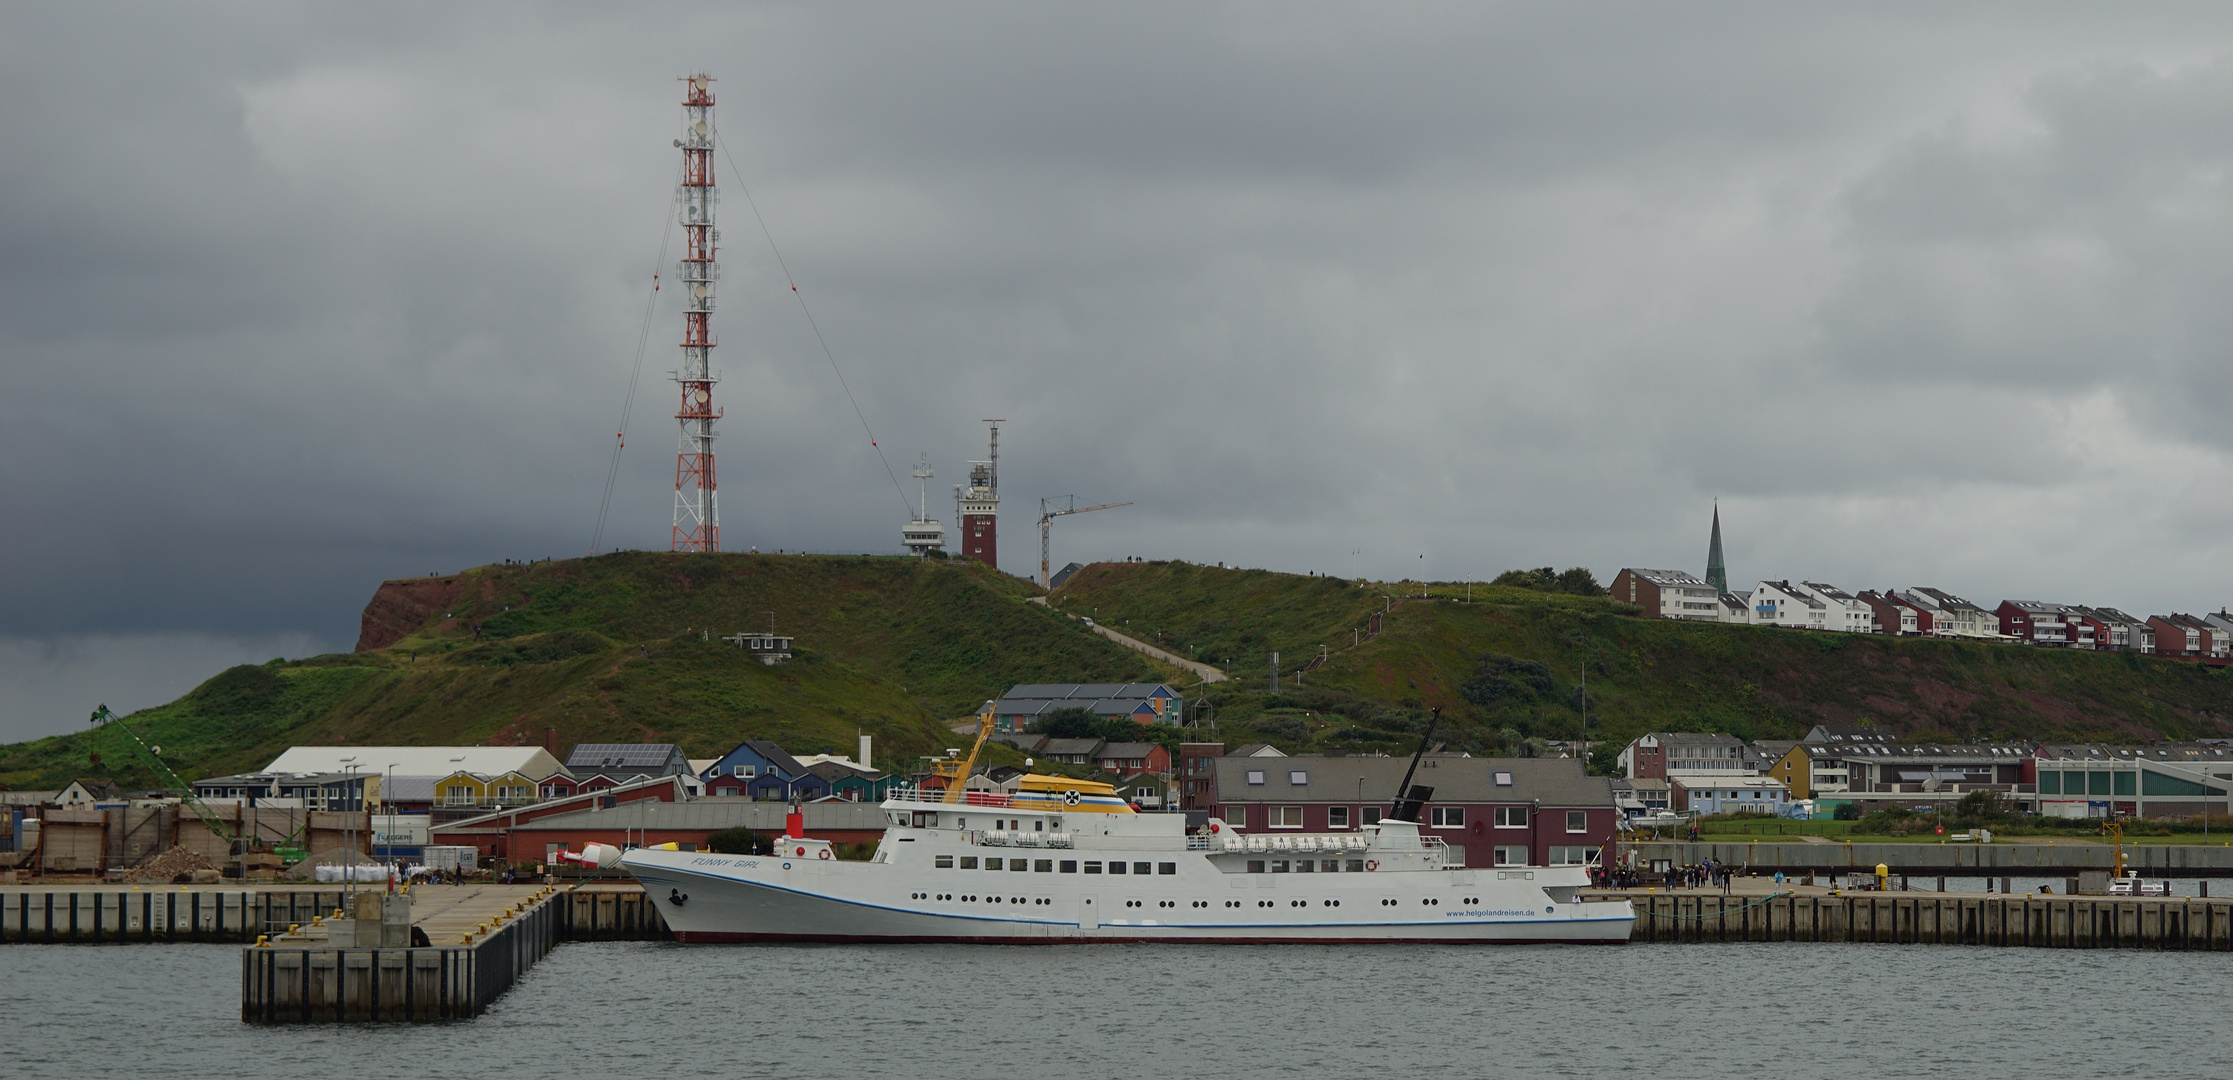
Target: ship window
992	864
1167	868
944	862
1142	868
969	862
1330	866
1116	868
1356	866
1337	817
1043	866
1255	866
1305	866
1038	825
1069	866
1019	864
1279	866
1093	868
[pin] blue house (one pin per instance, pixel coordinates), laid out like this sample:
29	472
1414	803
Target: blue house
759	769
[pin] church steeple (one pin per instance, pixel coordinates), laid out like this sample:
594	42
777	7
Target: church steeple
1717	574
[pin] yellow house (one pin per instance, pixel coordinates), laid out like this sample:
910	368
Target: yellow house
473	789
1794	769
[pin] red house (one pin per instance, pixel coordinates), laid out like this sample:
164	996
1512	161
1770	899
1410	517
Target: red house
1129	759
1490	811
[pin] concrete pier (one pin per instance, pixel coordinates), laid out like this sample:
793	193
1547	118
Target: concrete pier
481	939
89	914
2054	922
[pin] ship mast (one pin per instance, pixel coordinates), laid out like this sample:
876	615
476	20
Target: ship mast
1408	798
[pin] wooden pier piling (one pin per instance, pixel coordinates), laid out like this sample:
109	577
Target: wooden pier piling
2056	922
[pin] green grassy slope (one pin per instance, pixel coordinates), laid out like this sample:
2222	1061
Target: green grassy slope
1524	652
626	648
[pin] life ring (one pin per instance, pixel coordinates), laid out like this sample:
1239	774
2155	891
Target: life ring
822	854
1372	864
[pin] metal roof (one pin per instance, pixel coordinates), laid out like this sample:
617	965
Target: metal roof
530	761
602	756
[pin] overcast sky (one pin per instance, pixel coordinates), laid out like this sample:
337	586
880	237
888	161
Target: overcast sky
294	298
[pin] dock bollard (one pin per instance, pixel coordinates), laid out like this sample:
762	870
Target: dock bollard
263	941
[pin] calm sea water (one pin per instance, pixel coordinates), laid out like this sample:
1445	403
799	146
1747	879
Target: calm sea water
629	1011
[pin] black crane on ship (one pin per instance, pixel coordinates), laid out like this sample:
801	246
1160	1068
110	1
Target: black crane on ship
1410	797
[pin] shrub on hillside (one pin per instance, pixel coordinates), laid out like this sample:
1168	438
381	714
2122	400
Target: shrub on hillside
1497	677
1575	581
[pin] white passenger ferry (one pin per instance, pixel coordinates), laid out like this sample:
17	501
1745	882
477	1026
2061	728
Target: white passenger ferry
1067	860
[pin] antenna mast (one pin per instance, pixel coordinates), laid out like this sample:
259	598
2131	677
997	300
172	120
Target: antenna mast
697	524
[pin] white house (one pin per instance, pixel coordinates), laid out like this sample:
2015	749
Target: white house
1952	616
1735	609
1841	610
1734	794
1779	603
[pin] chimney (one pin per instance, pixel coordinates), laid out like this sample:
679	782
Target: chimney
550	740
865	740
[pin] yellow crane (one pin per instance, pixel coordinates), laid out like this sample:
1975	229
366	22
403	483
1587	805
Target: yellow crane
956	769
1047	514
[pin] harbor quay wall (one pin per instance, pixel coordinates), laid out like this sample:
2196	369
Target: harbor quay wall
1955	860
90	914
1926	919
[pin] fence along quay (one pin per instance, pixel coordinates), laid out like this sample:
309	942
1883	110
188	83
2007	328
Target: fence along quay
2054	922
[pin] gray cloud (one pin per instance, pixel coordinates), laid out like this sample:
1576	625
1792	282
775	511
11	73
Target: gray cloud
296	298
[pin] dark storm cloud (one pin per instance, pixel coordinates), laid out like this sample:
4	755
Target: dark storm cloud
294	298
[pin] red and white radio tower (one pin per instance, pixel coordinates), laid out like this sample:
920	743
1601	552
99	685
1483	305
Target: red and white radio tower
697	511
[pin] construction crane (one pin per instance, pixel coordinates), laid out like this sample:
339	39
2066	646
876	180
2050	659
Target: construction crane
1047	514
154	755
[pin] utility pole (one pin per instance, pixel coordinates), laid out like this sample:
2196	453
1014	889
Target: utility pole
1275	672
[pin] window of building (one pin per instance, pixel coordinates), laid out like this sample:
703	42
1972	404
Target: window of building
1577	821
1337	817
1449	817
1570	855
1256	776
746	771
1368	815
1511	817
1512	855
1286	817
1504	779
1236	816
1298	777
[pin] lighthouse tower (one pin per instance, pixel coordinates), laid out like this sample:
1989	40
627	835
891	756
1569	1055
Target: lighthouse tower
980	507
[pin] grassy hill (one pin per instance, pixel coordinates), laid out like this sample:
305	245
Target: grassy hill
1509	665
626	648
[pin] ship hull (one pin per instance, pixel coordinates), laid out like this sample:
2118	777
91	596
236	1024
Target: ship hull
707	898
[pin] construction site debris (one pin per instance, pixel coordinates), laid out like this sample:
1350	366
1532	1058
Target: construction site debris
170	866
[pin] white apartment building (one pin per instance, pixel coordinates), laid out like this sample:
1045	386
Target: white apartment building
1779	603
1841	610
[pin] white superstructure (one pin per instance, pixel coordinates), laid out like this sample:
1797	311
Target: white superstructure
999	869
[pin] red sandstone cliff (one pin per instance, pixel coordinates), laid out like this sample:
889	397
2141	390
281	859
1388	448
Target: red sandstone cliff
403	606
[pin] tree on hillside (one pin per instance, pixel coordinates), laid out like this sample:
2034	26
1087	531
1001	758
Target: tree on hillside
1575	581
1069	724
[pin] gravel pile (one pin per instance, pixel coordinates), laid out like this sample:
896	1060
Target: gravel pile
169	865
